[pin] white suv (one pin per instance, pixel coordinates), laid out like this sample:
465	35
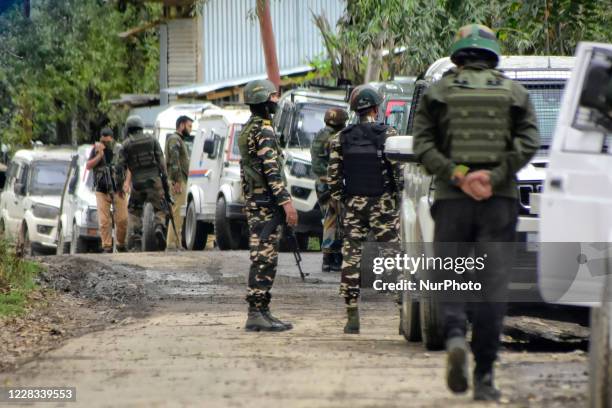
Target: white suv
29	204
544	78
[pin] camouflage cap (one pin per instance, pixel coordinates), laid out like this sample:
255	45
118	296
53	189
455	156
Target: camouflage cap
335	117
363	97
259	91
475	37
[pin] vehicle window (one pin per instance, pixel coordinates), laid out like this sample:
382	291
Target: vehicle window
48	178
309	120
11	174
546	100
235	152
396	114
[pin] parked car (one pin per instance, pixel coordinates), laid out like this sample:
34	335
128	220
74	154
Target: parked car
299	118
544	78
214	194
29	203
77	227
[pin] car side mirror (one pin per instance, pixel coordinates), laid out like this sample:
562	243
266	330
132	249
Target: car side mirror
19	189
209	146
399	148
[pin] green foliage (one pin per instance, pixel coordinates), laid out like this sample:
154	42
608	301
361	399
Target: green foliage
66	62
16	280
425	29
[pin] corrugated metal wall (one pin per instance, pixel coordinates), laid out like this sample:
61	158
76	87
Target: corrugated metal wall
182	51
232	43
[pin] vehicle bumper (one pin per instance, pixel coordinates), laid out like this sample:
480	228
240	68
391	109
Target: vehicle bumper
89	232
43	233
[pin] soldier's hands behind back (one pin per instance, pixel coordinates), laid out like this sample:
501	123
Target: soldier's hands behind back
478	185
292	217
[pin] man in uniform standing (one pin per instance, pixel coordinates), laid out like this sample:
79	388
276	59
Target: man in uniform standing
101	161
177	163
265	196
474	130
335	120
142	155
367	184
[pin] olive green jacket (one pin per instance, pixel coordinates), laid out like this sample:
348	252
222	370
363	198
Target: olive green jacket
431	138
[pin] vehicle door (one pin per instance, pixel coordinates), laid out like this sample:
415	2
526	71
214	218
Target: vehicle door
576	204
9	198
210	160
17	204
69	199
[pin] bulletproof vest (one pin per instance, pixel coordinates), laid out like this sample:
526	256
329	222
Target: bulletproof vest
478	103
252	167
140	152
362	159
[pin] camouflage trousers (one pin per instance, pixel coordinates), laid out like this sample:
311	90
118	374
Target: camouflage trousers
263	255
332	230
150	191
364	215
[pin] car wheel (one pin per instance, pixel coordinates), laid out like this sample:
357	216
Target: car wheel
227	237
432	328
600	353
63	247
149	242
410	325
196	234
77	245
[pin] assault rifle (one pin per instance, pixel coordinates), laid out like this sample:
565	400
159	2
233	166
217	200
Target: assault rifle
167	204
279	218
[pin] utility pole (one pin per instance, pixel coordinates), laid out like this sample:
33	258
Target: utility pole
267	38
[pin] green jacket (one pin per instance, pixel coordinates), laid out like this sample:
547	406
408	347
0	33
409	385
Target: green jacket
319	151
431	138
177	158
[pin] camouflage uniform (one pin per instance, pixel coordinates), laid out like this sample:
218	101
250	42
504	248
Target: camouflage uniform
142	155
177	163
363	214
264	192
319	152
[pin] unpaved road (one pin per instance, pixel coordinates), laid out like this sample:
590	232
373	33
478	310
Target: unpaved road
191	349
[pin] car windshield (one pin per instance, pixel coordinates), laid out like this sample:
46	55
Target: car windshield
396	114
235	155
48	178
546	100
309	120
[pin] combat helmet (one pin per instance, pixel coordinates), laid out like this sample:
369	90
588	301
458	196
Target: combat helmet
256	92
134	122
475	37
335	117
364	97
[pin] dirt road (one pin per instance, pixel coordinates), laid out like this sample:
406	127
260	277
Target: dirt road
192	351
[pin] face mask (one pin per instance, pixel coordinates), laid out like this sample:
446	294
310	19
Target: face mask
272	107
107	144
185	134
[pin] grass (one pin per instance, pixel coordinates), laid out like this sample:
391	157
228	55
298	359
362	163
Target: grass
16	280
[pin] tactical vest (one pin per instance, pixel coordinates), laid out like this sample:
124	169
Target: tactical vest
478	103
252	166
362	159
140	152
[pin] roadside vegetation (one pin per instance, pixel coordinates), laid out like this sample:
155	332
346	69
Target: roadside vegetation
17	280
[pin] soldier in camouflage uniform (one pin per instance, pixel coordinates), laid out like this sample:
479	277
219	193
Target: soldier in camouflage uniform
366	183
177	163
335	120
265	195
143	156
474	130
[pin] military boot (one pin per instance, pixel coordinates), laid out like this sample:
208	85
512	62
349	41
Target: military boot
265	310
484	388
257	321
160	237
457	364
327	262
121	248
352	323
336	264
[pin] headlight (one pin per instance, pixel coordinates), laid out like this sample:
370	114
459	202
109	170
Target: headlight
45	211
92	215
299	168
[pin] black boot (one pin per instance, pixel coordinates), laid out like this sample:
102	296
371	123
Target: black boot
457	364
336	265
160	237
327	261
265	310
484	387
257	321
352	322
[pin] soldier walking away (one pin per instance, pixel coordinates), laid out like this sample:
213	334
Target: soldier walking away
331	246
265	195
366	183
474	131
101	160
177	163
142	155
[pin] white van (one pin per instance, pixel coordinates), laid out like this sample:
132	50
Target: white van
29	203
214	194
